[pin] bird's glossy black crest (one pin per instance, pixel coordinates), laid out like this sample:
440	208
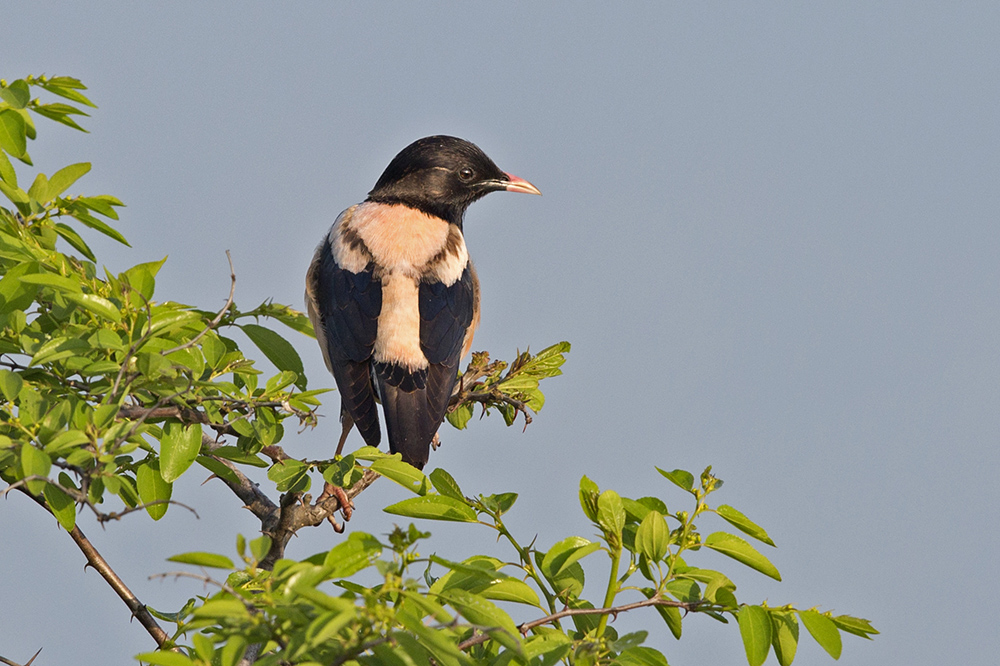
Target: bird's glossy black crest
440	175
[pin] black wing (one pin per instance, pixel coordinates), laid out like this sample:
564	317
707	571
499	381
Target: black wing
345	307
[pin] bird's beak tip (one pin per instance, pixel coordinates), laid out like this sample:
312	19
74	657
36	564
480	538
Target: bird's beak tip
515	184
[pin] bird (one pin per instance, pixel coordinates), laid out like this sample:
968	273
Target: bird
394	297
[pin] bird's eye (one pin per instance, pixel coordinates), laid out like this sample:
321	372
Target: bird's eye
466	174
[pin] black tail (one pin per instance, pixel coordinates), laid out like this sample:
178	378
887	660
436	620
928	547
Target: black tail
414	404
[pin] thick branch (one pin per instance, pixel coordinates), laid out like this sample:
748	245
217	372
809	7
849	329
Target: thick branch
295	511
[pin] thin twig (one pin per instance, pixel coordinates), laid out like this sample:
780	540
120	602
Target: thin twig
118	515
81	498
14	663
477	639
135	345
218	317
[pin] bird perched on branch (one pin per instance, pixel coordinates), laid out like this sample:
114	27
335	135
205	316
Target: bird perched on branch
393	296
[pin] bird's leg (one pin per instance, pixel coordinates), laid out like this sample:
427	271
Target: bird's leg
347	423
330	490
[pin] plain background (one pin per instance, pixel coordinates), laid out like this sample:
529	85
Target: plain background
769	231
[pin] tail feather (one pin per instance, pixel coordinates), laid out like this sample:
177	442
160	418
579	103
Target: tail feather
357	398
414	405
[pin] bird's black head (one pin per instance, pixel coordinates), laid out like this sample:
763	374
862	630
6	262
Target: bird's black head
442	175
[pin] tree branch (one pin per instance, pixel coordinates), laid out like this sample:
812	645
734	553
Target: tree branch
101	566
293	512
479	638
14	663
218	317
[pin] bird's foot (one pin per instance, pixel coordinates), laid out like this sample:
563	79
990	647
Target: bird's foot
436	442
346	505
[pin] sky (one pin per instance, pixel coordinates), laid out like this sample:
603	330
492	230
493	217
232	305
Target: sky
769	231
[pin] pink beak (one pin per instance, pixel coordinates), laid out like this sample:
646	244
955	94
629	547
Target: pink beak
516	184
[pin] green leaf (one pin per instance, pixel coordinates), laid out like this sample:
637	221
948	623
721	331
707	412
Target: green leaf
511	589
564	553
440	645
103	204
855	625
260	546
63	179
200	559
459	416
70	236
741	551
16	195
326	626
481	575
39	189
165	658
217	609
232	652
588	498
57	282
611	516
10	384
13	134
755	629
368	453
784	636
823	630
434	507
79	211
743	524
680	478
652	539
62	506
290	476
57	349
501	502
342	472
142	278
641	656
34	463
17	94
404	474
442	480
178	449
7	173
670	614
60	113
358	552
96	304
152	488
165	321
66	441
684	590
277	350
486	614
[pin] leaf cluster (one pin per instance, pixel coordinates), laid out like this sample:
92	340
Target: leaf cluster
426	608
104	390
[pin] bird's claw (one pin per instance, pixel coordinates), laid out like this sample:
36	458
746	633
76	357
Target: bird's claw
346	505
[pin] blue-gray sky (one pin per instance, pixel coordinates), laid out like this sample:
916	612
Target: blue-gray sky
769	231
